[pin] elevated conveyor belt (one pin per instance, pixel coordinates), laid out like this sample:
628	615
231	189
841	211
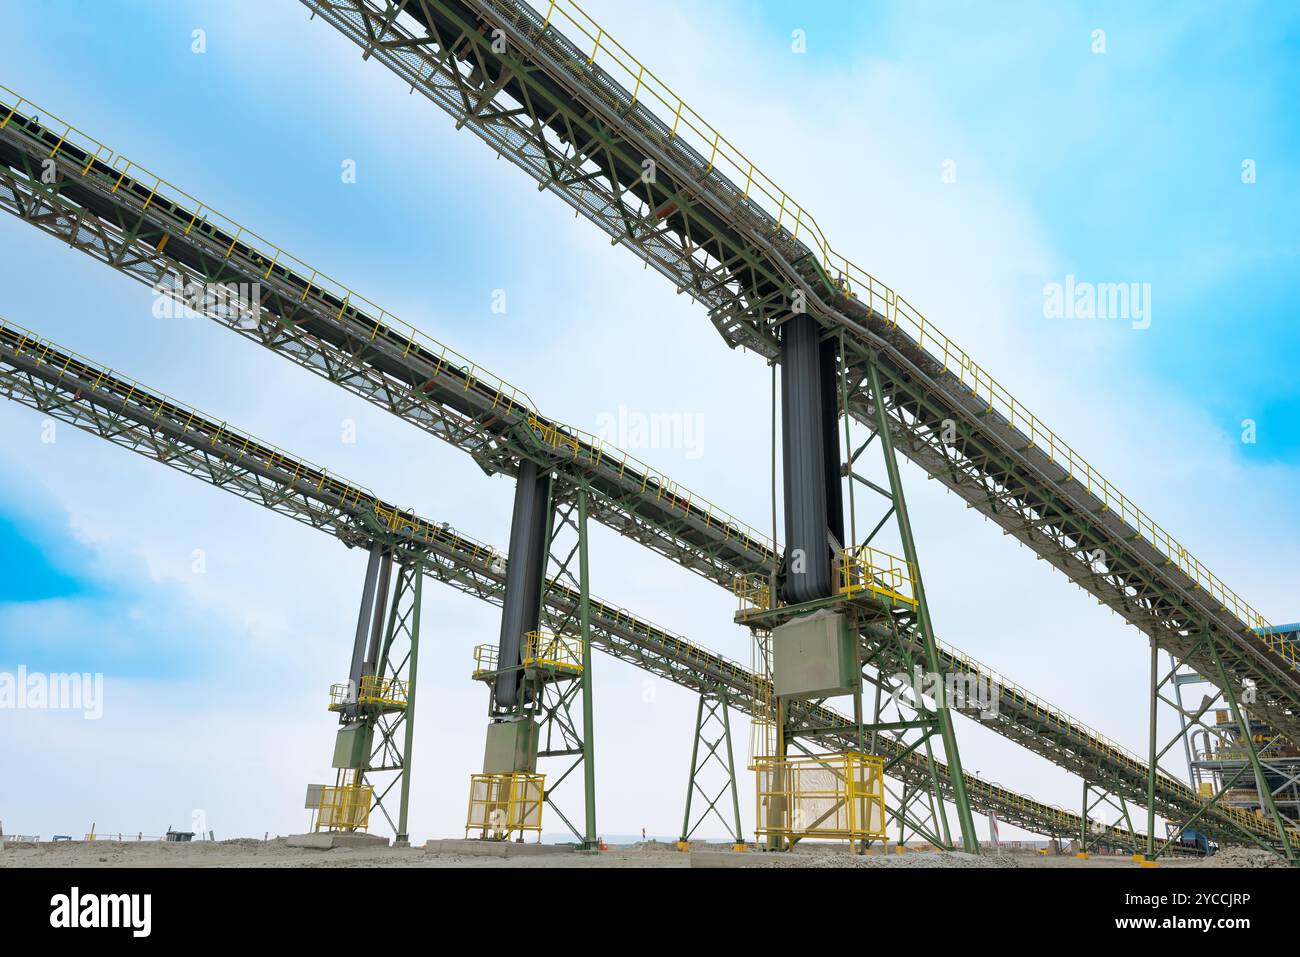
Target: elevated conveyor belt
157	234
551	91
75	390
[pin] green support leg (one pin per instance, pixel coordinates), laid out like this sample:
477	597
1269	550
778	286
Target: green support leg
588	720
690	780
957	779
731	769
402	833
1261	782
1153	759
1083	821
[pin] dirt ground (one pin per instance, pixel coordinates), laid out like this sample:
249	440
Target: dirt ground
248	852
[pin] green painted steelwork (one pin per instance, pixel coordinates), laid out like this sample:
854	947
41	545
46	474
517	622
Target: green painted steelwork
129	240
71	389
543	104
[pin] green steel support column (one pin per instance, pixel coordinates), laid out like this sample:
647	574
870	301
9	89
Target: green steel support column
415	570
710	704
1083	821
1261	782
588	721
695	756
731	768
937	810
1154	756
970	841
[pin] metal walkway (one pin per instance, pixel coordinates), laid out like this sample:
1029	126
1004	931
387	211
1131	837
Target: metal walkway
551	91
109	207
75	390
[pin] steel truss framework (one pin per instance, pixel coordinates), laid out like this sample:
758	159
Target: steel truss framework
916	724
712	760
1191	719
567	730
125	223
1209	763
507	73
90	397
388	769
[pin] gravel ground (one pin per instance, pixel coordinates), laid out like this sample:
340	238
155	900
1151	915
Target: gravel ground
249	852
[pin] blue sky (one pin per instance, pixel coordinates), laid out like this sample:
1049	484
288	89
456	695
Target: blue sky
1114	167
31	572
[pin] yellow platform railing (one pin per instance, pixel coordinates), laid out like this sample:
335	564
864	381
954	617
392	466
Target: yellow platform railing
753	593
839	796
864	568
542	649
485	659
374	690
502	805
345	805
378	690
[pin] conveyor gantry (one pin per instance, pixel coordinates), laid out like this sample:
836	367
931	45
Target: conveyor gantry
110	208
552	92
42	375
73	389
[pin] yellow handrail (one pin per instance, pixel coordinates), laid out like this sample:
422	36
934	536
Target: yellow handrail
543	649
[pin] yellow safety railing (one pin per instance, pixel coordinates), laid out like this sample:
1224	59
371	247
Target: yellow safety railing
863	568
837	796
552	652
345	806
501	805
378	690
340	694
763	715
485	659
858	569
374	690
272	259
726	160
752	592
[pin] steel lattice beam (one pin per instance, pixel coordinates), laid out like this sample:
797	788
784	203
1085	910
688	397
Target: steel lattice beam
157	239
542	102
71	389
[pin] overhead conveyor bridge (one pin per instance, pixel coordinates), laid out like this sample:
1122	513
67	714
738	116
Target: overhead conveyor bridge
75	390
108	207
551	91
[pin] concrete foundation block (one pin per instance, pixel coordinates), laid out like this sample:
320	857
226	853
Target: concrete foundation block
507	849
328	840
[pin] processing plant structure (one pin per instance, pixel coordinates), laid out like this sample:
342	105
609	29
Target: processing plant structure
835	609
